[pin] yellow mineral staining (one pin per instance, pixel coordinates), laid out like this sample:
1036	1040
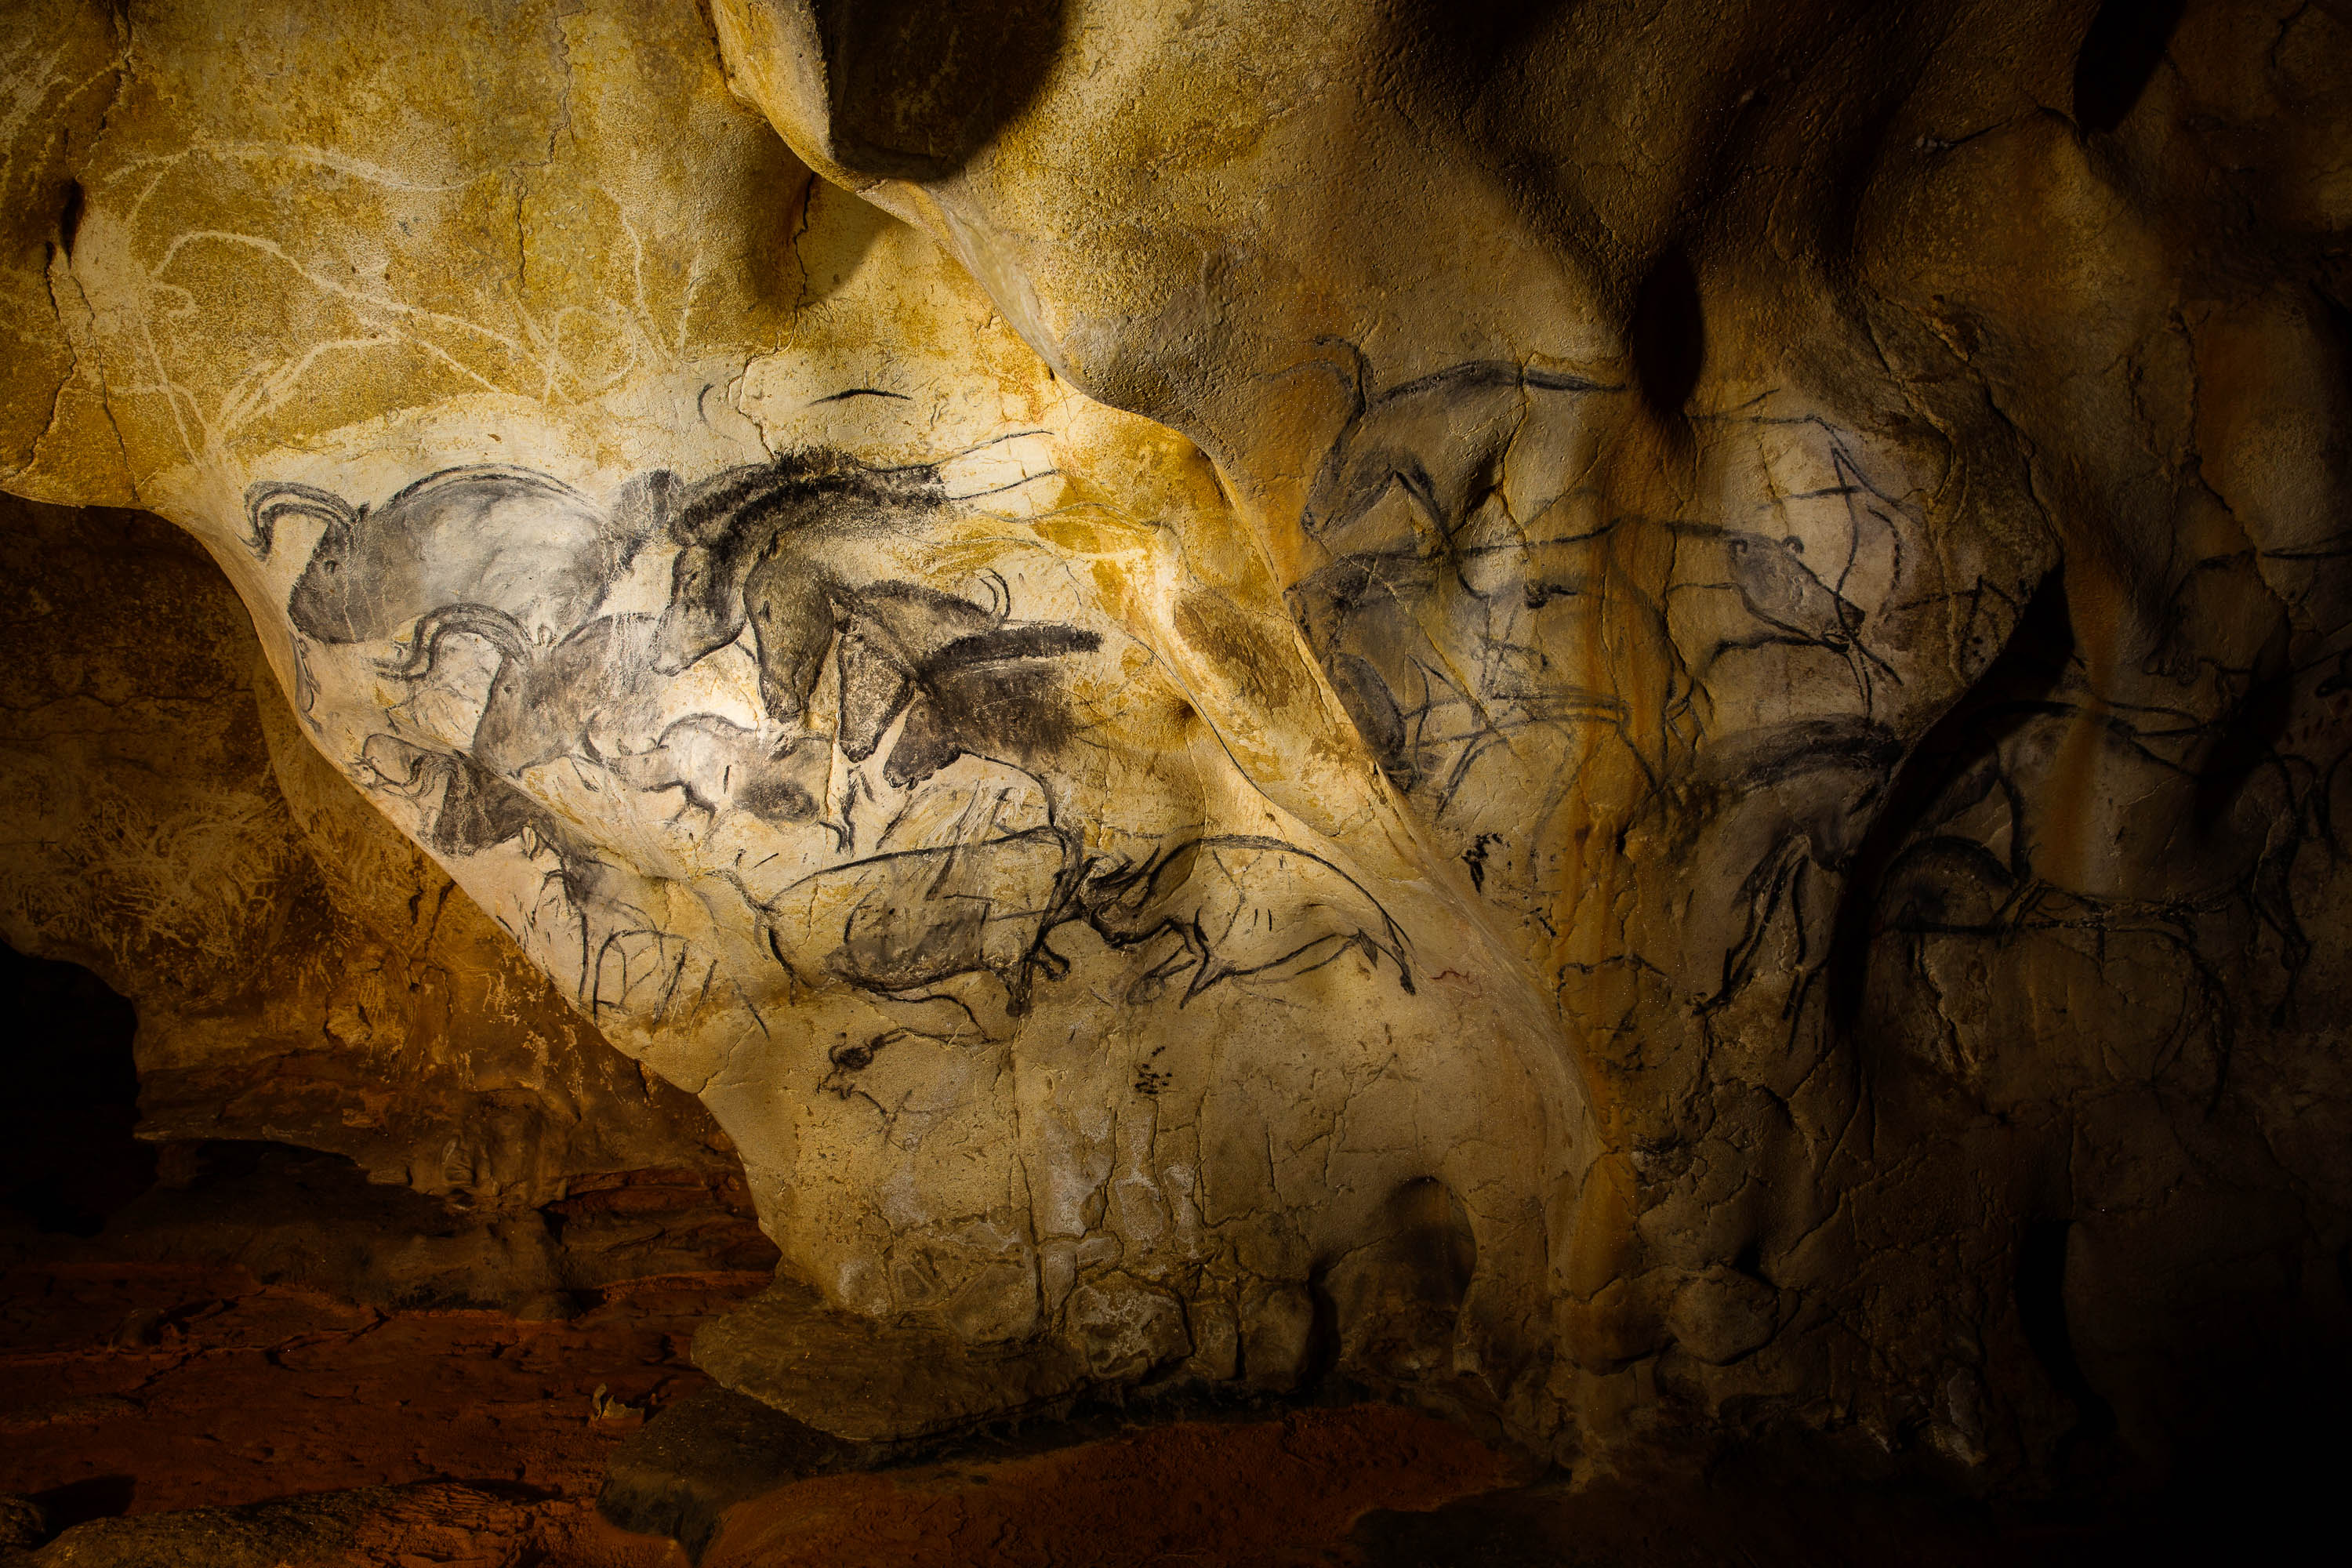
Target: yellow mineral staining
1195	634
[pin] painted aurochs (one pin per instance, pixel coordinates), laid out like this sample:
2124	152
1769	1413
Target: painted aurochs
1625	717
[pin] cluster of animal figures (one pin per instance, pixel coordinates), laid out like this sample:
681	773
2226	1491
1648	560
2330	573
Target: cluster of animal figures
520	564
1431	620
1474	571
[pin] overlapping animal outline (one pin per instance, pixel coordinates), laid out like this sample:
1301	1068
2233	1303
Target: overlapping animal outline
1419	618
521	562
1977	855
1460	506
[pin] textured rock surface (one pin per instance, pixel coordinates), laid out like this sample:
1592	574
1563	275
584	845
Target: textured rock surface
1628	713
301	973
129	1386
440	1522
844	1374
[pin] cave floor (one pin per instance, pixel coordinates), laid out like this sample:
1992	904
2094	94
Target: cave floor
198	1416
138	1391
143	1388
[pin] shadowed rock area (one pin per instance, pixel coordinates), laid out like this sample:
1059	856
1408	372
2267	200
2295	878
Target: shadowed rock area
1040	781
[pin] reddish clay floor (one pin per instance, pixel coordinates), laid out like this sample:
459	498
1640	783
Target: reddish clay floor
130	1388
1282	1493
196	1418
138	1390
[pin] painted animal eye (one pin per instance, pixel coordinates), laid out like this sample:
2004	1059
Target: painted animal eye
329	566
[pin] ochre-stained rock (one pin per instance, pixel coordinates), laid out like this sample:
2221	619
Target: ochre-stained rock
1627	716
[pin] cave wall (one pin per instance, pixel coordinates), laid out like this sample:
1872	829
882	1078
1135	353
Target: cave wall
300	972
1627	716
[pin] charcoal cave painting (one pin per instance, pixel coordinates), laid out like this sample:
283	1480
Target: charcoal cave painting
1465	577
2144	829
506	570
1356	658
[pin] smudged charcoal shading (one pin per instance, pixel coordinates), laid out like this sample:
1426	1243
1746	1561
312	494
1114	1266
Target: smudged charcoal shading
1637	660
897	923
472	809
726	524
543	702
892	633
976	680
1438	621
1373	709
1006	711
791	605
718	765
753	548
1437	437
512	539
775	547
475	809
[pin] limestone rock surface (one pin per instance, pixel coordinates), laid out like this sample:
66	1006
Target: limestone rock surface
303	975
1629	715
858	1380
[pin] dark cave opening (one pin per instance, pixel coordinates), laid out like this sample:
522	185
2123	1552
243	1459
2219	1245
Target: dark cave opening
2042	1315
2119	57
1668	334
69	1157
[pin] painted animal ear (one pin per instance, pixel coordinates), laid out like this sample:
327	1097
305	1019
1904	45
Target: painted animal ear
269	499
985	591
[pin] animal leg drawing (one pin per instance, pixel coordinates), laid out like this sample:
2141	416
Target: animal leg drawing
719	766
1235	907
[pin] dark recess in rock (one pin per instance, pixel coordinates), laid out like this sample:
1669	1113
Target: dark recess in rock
68	1156
2120	55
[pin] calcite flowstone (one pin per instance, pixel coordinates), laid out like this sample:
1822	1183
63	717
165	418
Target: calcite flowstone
1628	715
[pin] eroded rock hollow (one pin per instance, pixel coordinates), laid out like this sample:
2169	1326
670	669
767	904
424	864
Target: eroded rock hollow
1625	718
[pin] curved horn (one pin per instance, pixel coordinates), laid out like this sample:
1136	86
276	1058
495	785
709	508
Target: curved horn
418	655
269	499
403	766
